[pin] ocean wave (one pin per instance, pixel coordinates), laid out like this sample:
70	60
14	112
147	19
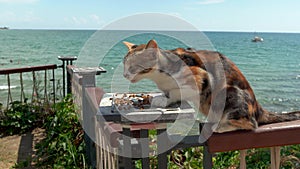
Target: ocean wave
5	87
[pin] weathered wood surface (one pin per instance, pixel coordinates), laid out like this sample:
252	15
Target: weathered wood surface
111	124
26	69
271	135
86	70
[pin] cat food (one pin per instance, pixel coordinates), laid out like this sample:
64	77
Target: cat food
125	102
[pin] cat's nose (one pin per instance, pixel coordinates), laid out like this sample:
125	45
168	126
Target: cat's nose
126	75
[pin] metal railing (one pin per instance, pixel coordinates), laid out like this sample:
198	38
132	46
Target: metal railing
38	83
34	83
66	60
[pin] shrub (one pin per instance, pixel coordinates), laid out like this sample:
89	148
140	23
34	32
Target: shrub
63	146
19	118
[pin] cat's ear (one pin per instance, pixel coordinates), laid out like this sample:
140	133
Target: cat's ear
152	44
128	45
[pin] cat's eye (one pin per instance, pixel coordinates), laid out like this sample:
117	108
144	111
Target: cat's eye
134	46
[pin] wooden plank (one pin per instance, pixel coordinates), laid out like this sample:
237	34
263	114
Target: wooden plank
161	148
277	134
145	149
275	157
27	69
127	151
243	154
95	95
82	70
67	58
113	132
207	158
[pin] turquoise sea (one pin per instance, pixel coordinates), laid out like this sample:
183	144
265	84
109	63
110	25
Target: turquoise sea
272	67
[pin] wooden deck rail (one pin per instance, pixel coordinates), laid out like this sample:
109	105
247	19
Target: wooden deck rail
35	92
26	69
86	100
108	135
272	135
66	61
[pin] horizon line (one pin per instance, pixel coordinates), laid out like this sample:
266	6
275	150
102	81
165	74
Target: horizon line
94	29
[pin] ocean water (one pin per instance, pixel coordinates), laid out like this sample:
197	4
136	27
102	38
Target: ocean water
272	67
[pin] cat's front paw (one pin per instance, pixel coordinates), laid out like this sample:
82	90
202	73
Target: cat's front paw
159	101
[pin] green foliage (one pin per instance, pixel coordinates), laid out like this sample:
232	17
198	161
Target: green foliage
64	145
187	158
290	156
258	158
191	158
19	118
22	164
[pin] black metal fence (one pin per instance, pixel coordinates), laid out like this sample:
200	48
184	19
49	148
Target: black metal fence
36	82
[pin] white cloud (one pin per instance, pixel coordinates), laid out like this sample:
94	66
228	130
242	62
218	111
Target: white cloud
151	21
95	18
89	20
18	1
79	20
31	17
206	2
12	17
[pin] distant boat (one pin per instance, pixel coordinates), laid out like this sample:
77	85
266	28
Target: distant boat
257	39
4	28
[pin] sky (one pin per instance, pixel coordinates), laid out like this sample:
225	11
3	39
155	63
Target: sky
205	15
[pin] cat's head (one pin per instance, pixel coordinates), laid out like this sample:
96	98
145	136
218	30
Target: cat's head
140	61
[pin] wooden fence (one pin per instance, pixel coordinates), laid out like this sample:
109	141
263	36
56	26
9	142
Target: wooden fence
113	143
36	83
42	89
107	141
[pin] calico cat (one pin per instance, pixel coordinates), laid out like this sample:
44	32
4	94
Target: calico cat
205	78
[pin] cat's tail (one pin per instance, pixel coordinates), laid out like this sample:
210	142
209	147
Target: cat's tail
270	117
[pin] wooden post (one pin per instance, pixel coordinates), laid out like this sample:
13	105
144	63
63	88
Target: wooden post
88	114
275	157
162	139
65	62
127	152
145	149
207	158
243	154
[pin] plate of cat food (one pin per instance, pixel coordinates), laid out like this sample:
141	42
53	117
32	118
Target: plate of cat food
137	102
138	107
130	102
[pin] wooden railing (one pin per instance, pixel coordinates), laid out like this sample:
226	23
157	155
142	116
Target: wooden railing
43	86
110	137
107	144
84	93
36	83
